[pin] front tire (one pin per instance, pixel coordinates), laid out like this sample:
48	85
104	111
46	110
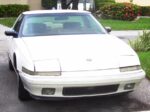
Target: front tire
10	65
23	94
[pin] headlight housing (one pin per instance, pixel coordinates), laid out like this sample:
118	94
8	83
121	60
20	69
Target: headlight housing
130	68
44	73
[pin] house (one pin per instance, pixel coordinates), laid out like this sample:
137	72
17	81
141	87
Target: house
4	2
137	2
33	4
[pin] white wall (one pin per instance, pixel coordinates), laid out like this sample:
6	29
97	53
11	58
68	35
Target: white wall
138	2
4	2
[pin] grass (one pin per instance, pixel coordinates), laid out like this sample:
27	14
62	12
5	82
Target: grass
142	43
145	62
140	24
7	21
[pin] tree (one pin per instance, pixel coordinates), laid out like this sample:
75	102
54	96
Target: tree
84	3
75	4
65	4
49	4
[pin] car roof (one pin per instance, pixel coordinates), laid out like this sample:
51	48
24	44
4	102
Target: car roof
53	11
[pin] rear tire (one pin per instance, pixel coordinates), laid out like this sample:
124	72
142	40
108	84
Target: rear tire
23	94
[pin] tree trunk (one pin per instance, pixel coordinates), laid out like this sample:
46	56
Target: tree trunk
75	4
84	4
66	5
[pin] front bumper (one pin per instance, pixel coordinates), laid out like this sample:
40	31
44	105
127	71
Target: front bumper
35	84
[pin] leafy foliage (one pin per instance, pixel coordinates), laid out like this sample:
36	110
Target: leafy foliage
49	4
142	43
145	11
145	62
120	11
12	10
101	3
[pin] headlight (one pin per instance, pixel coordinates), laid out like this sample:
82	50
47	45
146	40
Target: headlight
130	68
49	73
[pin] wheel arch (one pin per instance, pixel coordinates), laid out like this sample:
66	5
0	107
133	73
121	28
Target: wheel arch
16	61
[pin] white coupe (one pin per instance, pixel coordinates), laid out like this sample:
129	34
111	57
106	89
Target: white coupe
69	54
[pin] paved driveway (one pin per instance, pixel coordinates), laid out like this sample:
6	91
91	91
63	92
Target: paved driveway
135	101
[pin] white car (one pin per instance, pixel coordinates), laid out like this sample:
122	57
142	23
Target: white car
68	54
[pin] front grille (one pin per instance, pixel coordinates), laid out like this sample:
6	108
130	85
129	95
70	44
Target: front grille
71	91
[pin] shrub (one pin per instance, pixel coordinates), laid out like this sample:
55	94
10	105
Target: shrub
145	62
121	11
101	3
12	10
49	4
145	11
142	43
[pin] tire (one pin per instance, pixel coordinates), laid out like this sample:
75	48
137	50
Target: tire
10	65
23	94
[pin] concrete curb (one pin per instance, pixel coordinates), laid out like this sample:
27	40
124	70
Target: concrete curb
128	34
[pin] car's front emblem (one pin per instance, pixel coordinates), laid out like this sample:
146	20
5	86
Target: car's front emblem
89	60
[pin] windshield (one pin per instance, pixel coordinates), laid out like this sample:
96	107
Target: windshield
60	24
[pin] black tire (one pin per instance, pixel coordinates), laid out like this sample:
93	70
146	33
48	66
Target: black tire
23	94
10	65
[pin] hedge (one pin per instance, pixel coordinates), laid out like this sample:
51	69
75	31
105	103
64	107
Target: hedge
145	11
12	10
120	11
101	3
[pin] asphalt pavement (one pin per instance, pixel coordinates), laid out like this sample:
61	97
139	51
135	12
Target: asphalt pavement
139	100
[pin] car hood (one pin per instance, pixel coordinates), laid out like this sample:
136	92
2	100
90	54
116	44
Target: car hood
80	52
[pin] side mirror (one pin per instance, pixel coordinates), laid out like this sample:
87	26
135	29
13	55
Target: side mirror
11	33
108	29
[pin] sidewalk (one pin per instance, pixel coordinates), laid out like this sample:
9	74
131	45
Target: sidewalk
127	34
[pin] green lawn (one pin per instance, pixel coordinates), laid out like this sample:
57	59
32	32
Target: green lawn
145	61
7	21
141	24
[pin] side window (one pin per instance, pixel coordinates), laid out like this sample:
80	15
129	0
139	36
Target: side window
18	24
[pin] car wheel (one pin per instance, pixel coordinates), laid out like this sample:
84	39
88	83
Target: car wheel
23	94
10	65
